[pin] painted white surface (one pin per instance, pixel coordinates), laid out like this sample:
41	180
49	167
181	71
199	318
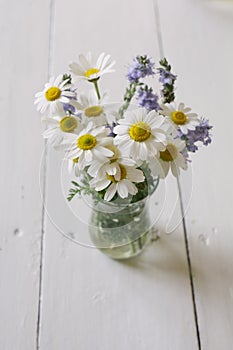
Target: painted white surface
203	58
89	301
24	48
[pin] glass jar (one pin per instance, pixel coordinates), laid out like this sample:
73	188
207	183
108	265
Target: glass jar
121	230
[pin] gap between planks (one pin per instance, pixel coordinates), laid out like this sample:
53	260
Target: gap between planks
43	182
188	256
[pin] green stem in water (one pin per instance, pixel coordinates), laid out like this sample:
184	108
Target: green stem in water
133	247
140	242
97	88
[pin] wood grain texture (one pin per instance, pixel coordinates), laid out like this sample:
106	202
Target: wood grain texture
90	301
24	48
200	47
87	300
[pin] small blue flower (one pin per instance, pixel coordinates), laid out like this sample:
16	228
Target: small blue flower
111	127
166	77
69	108
148	99
141	68
201	133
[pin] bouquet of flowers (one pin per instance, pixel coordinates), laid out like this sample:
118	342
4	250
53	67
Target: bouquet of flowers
118	152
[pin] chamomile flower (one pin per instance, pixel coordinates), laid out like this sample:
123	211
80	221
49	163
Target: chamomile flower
88	145
58	128
110	165
121	183
181	117
90	69
93	109
56	93
171	158
140	135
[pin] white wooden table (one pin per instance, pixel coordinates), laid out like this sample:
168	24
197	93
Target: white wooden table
58	295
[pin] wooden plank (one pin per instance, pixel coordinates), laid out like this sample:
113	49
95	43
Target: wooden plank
24	48
90	301
199	46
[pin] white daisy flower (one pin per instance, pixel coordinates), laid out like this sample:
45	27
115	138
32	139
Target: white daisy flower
93	109
140	135
56	93
180	117
111	164
172	158
60	127
121	183
90	69
88	145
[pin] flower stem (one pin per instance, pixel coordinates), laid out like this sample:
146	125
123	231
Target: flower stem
134	249
140	242
96	88
130	92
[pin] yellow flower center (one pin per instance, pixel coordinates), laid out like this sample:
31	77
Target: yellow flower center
170	153
93	111
91	71
86	142
123	175
53	93
140	131
68	124
75	160
179	117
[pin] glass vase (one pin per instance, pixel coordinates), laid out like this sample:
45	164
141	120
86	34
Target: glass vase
121	229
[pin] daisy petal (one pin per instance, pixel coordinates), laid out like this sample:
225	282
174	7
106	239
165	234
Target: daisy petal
110	192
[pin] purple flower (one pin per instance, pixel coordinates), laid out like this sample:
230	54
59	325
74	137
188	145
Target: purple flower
69	108
141	68
148	99
111	127
201	133
166	77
